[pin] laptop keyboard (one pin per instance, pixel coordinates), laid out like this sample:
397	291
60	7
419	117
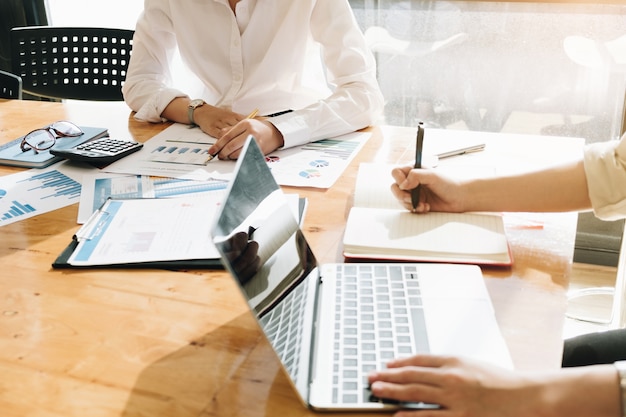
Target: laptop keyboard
283	326
379	316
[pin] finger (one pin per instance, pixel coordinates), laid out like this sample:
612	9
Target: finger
411	181
248	269
412	392
422	413
226	145
399	174
427	361
235	245
405	375
404	197
250	252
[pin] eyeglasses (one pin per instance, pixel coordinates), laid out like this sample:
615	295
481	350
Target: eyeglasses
45	138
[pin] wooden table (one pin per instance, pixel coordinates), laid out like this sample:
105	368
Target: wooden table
160	343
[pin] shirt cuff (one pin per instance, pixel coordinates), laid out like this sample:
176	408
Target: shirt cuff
294	128
152	109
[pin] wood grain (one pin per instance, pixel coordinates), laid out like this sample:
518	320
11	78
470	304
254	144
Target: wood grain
123	342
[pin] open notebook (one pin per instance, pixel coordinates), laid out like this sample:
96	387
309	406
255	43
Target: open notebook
331	324
378	227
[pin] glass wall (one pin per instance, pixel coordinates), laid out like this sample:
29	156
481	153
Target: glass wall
540	68
523	67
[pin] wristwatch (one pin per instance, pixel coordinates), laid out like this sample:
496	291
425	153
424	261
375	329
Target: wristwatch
193	105
621	370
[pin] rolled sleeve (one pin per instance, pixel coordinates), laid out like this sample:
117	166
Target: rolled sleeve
605	168
151	110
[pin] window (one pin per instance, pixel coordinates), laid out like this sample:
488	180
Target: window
539	68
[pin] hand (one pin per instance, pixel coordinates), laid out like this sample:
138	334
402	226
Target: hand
243	256
461	387
231	140
214	120
438	192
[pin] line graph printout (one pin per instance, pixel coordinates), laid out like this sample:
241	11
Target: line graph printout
36	191
100	186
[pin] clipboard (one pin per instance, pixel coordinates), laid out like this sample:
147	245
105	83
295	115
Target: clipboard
93	239
99	221
61	262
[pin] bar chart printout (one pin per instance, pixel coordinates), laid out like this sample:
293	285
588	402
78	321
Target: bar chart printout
29	193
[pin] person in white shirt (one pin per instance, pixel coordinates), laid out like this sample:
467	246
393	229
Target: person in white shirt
593	379
303	62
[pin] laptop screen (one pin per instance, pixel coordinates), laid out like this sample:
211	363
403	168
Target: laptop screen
256	233
263	247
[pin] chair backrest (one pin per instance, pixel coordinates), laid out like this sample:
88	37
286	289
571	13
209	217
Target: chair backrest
78	63
10	85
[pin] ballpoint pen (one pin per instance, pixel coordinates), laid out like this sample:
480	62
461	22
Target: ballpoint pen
462	151
250	116
415	192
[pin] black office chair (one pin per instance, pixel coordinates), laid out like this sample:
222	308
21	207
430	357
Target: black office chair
10	85
78	63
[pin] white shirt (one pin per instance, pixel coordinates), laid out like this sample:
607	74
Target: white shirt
267	56
605	168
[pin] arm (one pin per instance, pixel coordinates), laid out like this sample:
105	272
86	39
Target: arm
356	100
558	188
147	88
472	388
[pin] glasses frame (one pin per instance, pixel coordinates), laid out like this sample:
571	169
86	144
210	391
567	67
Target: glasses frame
53	134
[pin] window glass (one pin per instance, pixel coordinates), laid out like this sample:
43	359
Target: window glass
539	68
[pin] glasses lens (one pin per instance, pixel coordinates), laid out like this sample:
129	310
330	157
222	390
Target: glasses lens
64	128
40	139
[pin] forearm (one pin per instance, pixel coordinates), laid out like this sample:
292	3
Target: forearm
177	110
591	391
561	188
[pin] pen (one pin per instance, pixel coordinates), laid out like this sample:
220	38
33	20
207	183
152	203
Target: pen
415	192
462	151
250	116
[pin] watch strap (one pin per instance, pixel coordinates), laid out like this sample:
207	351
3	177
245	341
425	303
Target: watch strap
193	105
190	110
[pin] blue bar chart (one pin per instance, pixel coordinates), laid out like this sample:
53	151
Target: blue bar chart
34	192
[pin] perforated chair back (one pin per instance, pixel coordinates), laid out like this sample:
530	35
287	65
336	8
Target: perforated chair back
71	62
10	86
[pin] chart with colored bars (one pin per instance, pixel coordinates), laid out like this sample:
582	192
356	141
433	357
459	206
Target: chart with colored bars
34	192
317	164
181	154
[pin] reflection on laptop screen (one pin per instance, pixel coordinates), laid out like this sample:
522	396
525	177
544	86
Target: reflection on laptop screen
264	249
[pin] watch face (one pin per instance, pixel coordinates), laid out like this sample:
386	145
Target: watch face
196	103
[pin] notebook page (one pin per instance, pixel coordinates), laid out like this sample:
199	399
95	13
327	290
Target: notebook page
402	232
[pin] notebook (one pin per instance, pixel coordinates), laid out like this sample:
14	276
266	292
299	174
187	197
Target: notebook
379	228
331	324
11	154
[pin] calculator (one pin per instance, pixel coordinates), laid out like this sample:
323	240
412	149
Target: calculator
99	152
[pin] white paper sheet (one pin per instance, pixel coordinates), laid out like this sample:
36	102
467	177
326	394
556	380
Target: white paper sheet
176	152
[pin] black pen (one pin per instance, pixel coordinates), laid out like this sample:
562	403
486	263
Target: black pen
415	192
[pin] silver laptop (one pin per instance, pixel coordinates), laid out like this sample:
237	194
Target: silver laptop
331	324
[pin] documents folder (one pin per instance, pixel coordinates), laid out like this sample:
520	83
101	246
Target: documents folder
169	233
164	233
